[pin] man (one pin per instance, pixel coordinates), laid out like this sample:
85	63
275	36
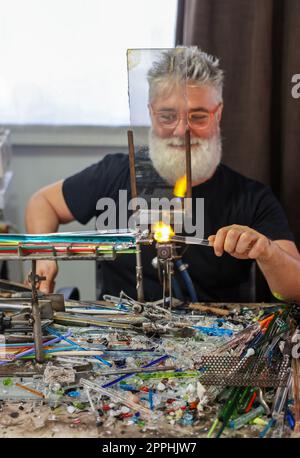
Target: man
243	220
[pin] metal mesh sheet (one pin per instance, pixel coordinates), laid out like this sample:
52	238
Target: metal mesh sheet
237	371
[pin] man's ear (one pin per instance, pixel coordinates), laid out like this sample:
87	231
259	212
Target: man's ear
220	112
150	111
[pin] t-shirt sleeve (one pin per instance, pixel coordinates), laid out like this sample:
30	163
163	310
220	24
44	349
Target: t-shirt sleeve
103	179
269	217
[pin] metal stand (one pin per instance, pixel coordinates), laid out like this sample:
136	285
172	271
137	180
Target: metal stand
34	279
165	257
139	274
139	265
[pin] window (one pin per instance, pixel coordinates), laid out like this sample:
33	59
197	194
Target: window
63	62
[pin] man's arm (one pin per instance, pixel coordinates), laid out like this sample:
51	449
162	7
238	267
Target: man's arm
45	211
282	269
278	260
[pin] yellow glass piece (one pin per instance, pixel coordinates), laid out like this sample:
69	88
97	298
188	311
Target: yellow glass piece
259	421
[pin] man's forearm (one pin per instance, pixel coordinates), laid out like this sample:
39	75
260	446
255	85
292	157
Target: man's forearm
282	272
40	217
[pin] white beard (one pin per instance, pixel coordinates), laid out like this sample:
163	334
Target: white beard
169	162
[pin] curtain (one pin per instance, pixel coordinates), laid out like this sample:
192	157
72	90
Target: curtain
257	42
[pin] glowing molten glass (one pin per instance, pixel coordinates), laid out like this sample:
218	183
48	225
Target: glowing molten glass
180	187
163	232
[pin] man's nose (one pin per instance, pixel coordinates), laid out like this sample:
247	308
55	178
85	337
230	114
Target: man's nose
181	127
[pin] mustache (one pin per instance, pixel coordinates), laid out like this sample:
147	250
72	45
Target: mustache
178	141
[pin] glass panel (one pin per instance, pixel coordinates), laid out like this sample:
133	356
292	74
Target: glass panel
158	105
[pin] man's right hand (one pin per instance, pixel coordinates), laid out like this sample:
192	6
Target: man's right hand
48	269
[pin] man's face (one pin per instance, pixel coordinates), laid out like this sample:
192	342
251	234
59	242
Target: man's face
194	107
187	105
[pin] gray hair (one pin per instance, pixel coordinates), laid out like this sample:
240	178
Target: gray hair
185	63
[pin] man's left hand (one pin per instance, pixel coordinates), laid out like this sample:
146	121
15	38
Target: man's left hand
241	242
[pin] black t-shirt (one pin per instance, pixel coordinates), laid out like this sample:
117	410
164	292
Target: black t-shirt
229	198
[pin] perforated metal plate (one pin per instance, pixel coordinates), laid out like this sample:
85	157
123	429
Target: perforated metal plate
237	371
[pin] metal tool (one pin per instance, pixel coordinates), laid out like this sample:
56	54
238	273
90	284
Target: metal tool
34	280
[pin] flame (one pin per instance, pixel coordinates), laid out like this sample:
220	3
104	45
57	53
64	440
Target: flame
162	232
180	187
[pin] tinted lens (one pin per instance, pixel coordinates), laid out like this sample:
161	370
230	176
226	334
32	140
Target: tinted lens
166	118
199	119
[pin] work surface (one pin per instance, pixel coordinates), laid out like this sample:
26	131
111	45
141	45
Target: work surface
154	374
42	422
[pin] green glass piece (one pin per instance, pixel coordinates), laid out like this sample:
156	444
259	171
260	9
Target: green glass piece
79	405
